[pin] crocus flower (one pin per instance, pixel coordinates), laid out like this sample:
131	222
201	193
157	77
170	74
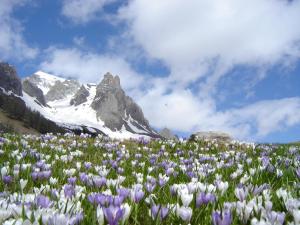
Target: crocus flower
72	180
185	213
88	165
7	179
100	215
83	177
138	195
241	193
99	181
43	201
186	198
298	172
113	214
124	192
159	211
204	199
150	187
221	219
69	191
23	184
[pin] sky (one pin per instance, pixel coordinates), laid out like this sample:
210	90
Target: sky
193	65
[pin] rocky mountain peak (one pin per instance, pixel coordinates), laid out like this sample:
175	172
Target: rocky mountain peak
80	97
168	134
32	90
110	82
9	79
61	90
116	109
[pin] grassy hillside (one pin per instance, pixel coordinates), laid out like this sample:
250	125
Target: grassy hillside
12	125
81	180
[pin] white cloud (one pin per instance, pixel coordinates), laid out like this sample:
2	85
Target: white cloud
89	67
12	43
177	109
83	11
197	34
200	42
182	111
269	116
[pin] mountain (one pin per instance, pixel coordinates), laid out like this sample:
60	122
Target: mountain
167	134
14	114
9	80
103	108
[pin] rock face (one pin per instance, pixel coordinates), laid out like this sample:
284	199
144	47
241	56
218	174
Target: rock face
33	91
166	133
61	89
9	79
212	135
80	97
113	106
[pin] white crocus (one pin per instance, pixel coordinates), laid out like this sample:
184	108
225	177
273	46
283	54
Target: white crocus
127	210
100	215
53	180
185	213
23	184
186	198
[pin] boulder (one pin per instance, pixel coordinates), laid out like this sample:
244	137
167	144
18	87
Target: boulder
211	135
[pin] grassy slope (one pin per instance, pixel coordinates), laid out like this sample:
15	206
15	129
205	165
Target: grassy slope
16	125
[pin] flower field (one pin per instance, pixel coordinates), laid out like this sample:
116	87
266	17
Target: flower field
82	180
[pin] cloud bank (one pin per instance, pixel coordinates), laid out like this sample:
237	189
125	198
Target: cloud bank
83	11
199	42
12	43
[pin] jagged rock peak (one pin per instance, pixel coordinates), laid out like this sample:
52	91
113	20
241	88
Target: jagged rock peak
116	109
80	97
9	79
167	133
61	90
32	90
110	81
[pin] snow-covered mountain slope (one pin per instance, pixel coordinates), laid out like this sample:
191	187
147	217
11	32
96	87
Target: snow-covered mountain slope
94	109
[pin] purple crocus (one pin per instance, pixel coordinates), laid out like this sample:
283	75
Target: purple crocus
221	219
158	210
83	177
298	172
34	176
72	180
162	182
43	201
69	191
113	214
97	198
45	174
204	199
150	187
75	220
138	195
88	165
99	181
124	192
7	179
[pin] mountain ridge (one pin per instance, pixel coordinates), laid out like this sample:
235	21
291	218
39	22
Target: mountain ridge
104	106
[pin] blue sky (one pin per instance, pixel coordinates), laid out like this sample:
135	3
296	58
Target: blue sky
191	65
